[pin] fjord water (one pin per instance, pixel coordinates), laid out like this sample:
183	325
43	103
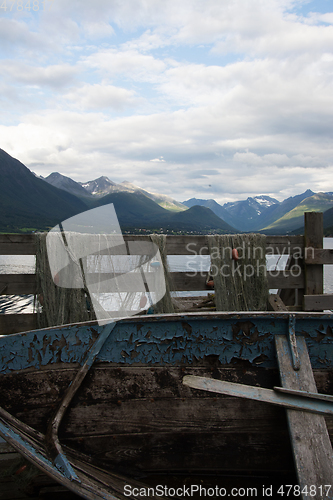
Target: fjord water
25	264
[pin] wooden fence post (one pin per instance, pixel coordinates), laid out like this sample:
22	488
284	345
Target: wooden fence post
313	238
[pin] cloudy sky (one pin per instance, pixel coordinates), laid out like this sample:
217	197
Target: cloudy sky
219	99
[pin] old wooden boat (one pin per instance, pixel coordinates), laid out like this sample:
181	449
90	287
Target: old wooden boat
131	420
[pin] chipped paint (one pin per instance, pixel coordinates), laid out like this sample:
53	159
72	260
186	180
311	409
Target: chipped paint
44	347
172	339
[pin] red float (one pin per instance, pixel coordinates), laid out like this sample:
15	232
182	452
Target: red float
234	254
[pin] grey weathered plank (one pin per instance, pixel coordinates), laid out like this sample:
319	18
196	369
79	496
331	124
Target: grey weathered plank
284	245
280	396
285	279
311	444
318	302
17	284
292	297
25	244
275	303
318	256
14	323
17	244
314	278
123	409
183	281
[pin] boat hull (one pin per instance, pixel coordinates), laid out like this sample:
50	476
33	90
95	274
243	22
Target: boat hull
133	415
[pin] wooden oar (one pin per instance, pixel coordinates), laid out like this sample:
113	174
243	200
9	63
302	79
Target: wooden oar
294	400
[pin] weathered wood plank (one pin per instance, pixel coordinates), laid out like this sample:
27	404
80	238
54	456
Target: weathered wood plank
318	256
116	388
17	284
276	279
197	245
145	417
24	244
187	245
275	303
292	297
20	284
284	245
308	432
285	279
313	236
17	244
15	323
196	451
318	302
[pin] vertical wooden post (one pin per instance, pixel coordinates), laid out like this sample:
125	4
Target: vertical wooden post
309	436
313	238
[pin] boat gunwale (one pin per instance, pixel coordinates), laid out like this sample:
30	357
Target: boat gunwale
168	317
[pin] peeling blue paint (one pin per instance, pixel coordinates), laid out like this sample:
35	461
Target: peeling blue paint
177	339
43	347
65	468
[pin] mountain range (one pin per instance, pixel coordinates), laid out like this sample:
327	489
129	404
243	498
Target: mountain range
103	186
268	215
29	202
261	213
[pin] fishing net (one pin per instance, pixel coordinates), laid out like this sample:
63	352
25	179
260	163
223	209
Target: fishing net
57	305
85	270
240	285
166	304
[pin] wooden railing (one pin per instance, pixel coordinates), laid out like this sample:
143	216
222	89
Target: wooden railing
299	287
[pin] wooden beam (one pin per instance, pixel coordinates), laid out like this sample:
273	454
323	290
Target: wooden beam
15	323
318	256
284	279
17	244
20	284
310	440
275	303
284	245
187	245
292	297
17	284
197	245
24	244
276	279
313	236
318	302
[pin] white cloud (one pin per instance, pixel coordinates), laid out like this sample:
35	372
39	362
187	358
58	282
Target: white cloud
158	160
101	97
58	75
205	98
128	63
14	32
